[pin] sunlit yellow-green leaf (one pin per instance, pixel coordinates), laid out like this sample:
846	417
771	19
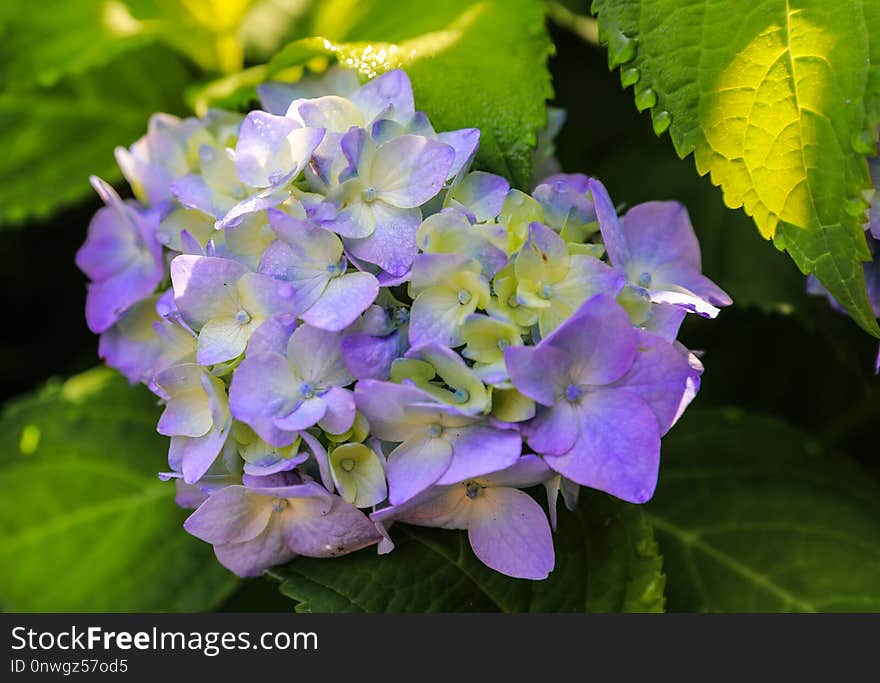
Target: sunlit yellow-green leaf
778	100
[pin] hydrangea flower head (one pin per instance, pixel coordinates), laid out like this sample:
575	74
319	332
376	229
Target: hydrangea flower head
348	327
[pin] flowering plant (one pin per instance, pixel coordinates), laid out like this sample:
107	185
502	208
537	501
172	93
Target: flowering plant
349	328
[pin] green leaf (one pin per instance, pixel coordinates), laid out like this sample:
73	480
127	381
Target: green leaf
472	64
606	560
41	47
779	101
53	139
755	516
85	524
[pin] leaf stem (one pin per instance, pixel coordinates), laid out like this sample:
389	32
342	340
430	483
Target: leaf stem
583	26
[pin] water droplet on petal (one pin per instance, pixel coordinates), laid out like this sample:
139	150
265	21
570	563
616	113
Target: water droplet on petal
629	77
661	120
645	99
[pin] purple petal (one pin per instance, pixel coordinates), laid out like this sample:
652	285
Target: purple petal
435	317
478	450
563	197
610	226
275	96
600	340
264	296
188	496
321	458
540	372
253	557
527	471
197	454
131	346
697	283
111	244
231	515
313	531
392	246
339	415
193	192
262	388
368	357
509	532
108	299
447	507
465	142
343	300
221	340
554	430
874	212
687	302
617	449
408	170
304	415
272	336
265	199
386	405
260	140
415	465
663	377
188	408
482	194
273	149
660	232
315	355
281	465
392	88
199	285
665	321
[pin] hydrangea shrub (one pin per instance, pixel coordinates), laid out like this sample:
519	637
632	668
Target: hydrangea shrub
350	328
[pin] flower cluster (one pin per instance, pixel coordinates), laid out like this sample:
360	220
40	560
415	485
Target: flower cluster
348	327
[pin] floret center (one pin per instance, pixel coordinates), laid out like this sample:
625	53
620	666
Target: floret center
573	392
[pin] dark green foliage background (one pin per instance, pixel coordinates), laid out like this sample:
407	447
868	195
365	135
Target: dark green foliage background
777	353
